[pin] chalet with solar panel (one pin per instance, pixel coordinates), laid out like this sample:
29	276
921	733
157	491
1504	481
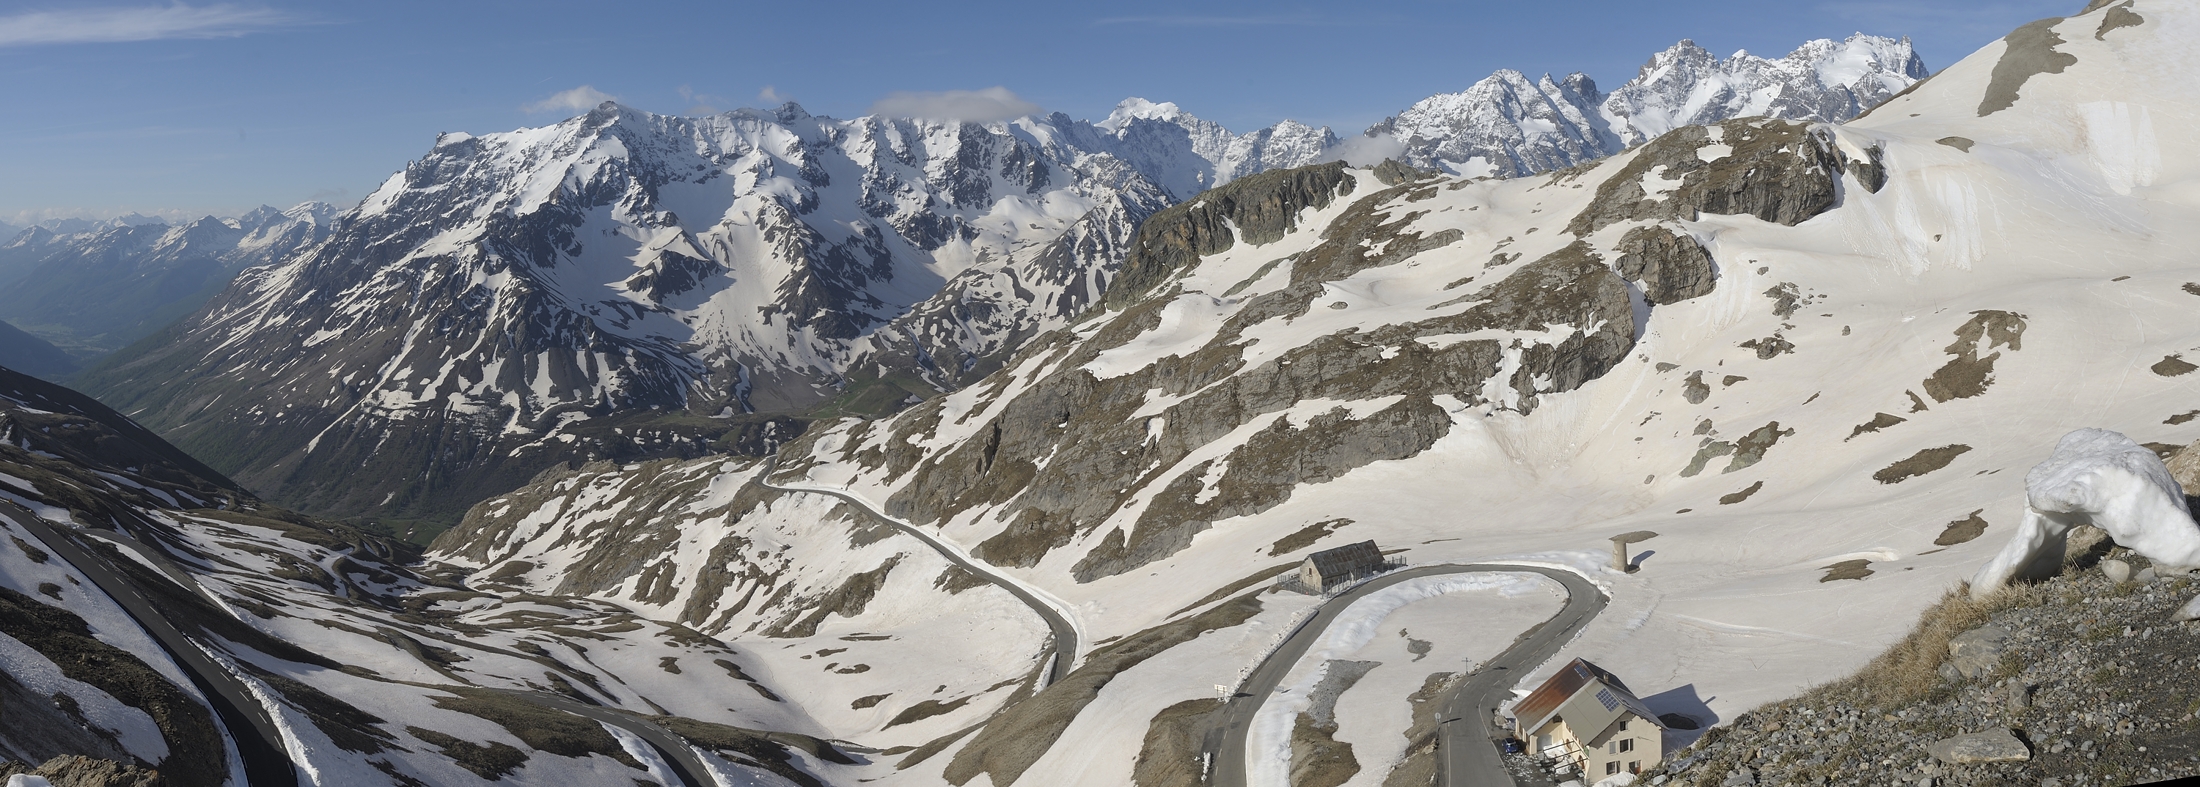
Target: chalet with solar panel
1584	715
1332	567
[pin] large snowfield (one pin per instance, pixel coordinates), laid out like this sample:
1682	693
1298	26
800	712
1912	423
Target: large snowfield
1830	439
2072	211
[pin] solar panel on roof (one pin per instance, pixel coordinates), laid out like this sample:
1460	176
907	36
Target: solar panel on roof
1605	697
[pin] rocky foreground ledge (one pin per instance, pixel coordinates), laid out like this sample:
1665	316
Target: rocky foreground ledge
2080	680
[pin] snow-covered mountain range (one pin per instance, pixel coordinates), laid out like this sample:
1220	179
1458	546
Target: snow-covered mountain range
97	286
1812	360
1509	125
626	285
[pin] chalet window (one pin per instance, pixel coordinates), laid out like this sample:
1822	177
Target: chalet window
1623	725
1611	768
1634	766
1626	745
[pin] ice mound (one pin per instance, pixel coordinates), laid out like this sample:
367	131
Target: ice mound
2100	478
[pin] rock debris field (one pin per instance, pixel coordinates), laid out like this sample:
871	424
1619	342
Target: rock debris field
2079	680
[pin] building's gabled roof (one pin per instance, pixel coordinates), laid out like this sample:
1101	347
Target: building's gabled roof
1587	695
1347	559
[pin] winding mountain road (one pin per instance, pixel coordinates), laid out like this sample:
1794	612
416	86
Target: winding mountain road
1466	750
686	765
259	742
1052	610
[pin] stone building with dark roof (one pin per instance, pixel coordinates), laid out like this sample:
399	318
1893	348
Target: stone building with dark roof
1332	567
1586	716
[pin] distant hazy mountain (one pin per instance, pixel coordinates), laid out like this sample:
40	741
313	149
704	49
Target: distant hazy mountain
33	356
97	286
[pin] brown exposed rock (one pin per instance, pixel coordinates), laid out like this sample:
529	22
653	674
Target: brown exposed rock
2028	52
2118	17
1779	171
1920	463
1879	421
1306	536
847	601
1967	374
1847	569
1694	389
1962	530
1170	755
1740	496
2172	366
2185	467
75	770
1671	266
1262	207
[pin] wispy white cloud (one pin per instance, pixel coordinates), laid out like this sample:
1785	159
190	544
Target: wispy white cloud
579	99
771	97
702	103
970	106
1185	20
140	23
1365	151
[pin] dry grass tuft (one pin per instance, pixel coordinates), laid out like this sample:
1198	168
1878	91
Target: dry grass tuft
1910	669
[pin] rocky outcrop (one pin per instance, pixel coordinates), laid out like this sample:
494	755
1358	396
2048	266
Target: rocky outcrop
1967	373
2026	53
1670	266
2184	466
1256	210
2078	680
79	771
61	637
1047	494
1779	171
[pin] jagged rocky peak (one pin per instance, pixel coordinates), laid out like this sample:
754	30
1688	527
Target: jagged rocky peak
1510	125
1822	80
1506	124
750	263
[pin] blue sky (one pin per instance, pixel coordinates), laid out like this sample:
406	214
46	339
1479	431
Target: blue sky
197	108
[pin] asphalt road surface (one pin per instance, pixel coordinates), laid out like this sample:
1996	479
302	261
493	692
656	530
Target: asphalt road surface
259	743
671	748
1466	750
1065	635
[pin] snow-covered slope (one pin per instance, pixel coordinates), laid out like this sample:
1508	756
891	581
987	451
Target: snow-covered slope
375	674
1509	125
507	285
96	287
626	285
1815	359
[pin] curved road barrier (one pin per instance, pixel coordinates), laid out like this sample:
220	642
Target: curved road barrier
1053	612
1466	750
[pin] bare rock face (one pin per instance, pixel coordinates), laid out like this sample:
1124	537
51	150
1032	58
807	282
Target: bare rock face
1261	208
1047	495
1779	171
2185	467
79	771
1671	266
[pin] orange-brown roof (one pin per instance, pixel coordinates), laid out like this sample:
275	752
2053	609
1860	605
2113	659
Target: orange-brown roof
1544	701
